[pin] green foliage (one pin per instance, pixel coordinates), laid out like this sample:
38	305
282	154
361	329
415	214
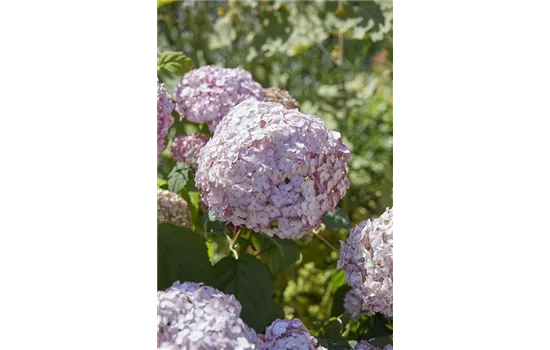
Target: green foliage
178	177
174	62
249	281
336	219
181	256
279	254
336	61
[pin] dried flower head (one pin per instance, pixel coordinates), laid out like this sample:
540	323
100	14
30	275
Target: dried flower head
272	169
275	94
207	94
194	316
164	118
289	334
172	209
186	148
367	260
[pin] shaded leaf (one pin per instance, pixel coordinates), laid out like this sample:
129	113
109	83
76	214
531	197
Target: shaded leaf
279	253
181	255
381	341
338	300
248	279
336	219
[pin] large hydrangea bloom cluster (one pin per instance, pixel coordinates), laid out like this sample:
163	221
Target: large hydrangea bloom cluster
194	316
206	94
186	148
272	169
275	94
164	118
172	209
364	345
289	334
367	260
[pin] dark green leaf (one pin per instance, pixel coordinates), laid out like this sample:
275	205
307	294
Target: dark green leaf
174	62
338	301
377	327
336	219
381	341
212	225
181	255
338	344
178	177
279	253
330	334
248	279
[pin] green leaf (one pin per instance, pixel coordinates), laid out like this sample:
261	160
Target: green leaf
377	327
330	334
161	3
248	279
338	280
174	62
160	183
331	344
336	219
381	341
181	256
218	247
178	177
338	301
279	253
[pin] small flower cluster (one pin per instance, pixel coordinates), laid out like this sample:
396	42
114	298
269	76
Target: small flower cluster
164	118
275	94
186	148
364	345
206	94
272	169
195	316
172	209
289	334
367	260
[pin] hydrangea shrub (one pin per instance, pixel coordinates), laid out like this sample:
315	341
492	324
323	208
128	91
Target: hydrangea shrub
244	193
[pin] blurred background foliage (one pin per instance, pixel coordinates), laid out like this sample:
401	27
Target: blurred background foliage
335	59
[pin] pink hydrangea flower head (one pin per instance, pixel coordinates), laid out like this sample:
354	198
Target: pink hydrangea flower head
364	345
367	260
164	118
195	316
186	148
272	169
289	334
207	93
